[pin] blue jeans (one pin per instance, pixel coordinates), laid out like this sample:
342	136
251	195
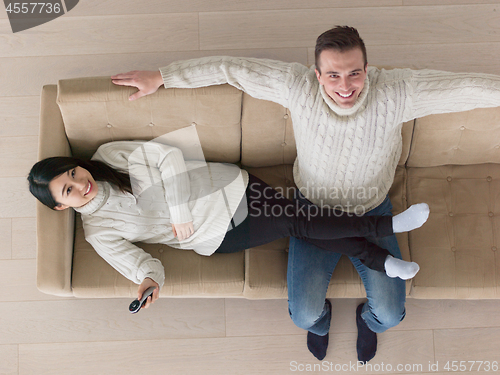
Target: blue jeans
310	270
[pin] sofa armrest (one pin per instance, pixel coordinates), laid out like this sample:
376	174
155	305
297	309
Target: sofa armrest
55	229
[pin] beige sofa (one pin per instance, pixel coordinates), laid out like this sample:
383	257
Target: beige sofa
450	161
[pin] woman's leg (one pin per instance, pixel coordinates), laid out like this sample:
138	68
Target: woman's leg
267	207
271	216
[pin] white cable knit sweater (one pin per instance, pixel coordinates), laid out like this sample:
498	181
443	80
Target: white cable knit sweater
166	190
345	157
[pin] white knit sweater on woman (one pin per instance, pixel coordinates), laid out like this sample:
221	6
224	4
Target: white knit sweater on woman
345	157
166	190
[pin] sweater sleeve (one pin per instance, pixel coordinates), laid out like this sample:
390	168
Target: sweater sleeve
142	159
129	260
434	92
261	78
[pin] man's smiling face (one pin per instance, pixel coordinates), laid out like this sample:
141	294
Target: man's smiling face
343	75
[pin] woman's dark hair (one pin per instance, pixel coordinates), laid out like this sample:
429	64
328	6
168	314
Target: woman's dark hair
47	169
340	38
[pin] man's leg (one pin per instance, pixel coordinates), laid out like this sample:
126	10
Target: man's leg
308	276
309	272
386	296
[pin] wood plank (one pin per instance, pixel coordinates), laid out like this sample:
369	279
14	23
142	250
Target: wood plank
300	28
397	352
9	356
428	3
88	320
112	7
261	355
435	314
16	199
29	74
259	317
18	280
270	317
121	7
459	57
24	238
234	355
106	34
17	155
6	236
19	115
424	314
472	344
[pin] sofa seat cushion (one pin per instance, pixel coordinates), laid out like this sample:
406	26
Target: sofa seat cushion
266	266
186	273
457	248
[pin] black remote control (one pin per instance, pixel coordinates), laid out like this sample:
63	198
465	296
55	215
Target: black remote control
136	305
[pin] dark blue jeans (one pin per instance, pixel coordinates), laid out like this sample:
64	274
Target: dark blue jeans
309	272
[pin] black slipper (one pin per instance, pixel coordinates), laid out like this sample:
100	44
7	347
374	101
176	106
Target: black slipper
316	344
366	344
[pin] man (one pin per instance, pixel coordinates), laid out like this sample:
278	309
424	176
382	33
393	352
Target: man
347	122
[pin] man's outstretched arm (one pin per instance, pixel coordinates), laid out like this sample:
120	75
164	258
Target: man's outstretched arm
261	78
434	92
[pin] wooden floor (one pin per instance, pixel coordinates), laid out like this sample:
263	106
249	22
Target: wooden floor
41	334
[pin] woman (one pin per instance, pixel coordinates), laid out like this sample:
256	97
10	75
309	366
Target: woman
145	191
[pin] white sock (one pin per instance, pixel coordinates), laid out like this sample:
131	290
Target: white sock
413	218
395	267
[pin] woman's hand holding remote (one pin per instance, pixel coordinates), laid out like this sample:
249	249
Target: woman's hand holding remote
147	283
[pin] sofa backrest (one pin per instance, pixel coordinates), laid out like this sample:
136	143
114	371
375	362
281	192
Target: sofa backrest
267	134
95	111
463	138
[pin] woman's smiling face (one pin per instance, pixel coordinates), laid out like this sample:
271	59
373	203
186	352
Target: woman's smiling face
74	188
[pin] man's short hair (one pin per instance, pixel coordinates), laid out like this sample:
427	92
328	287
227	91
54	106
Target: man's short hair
341	39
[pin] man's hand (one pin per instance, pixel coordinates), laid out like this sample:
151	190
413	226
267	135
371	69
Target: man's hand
183	231
145	285
146	81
